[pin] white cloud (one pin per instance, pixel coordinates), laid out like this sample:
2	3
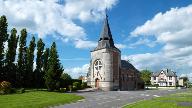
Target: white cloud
84	44
121	46
49	17
143	41
77	71
172	30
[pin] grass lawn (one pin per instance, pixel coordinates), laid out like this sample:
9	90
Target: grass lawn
179	100
36	99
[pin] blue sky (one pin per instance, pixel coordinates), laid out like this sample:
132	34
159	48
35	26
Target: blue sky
152	34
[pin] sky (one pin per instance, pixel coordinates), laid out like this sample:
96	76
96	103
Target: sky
151	34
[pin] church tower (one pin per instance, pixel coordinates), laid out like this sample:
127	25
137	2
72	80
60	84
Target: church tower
105	62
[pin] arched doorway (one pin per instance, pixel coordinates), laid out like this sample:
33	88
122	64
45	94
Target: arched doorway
96	83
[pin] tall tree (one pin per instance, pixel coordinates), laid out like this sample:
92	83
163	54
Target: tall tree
39	64
21	73
146	76
45	64
10	67
53	75
30	58
3	39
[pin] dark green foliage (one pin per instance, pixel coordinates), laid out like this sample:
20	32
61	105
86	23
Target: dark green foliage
3	39
45	65
10	66
63	90
30	58
83	85
53	75
76	86
38	77
66	80
146	76
21	90
21	73
66	76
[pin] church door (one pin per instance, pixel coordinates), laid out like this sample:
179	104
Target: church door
97	83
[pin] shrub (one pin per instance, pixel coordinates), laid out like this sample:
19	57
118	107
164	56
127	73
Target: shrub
156	85
84	85
21	90
76	86
63	90
70	88
5	87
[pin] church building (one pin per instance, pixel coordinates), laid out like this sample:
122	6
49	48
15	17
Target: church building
107	71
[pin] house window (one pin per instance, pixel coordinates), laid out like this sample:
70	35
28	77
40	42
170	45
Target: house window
170	83
170	78
154	78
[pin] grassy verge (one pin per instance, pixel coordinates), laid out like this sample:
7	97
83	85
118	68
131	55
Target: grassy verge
179	100
36	99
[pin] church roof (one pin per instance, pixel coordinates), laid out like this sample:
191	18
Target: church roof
126	65
106	40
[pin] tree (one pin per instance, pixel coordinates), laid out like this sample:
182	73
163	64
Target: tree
53	75
21	73
66	76
45	63
30	58
3	39
39	64
185	81
146	76
10	67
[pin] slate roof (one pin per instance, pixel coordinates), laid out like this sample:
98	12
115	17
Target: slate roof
126	65
167	72
106	40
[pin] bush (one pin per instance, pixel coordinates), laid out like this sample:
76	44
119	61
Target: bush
22	90
84	85
156	85
76	86
70	88
5	87
63	90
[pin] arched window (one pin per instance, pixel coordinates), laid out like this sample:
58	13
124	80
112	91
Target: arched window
98	65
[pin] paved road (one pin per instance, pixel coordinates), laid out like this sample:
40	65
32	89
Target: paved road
115	99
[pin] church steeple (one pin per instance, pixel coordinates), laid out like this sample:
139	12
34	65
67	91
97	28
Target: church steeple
105	40
106	32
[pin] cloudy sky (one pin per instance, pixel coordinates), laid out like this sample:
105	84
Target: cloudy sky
152	34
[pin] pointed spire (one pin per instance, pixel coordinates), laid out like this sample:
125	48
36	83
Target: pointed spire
106	40
106	32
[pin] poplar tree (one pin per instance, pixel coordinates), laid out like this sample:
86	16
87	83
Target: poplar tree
53	74
3	39
10	67
38	78
30	58
45	64
21	73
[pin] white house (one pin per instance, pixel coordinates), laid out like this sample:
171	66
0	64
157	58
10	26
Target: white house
164	78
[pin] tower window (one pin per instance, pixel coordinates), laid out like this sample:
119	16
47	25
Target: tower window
98	65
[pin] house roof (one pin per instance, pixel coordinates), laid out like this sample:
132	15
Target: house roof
167	72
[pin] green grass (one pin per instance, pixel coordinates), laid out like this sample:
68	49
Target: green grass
170	101
36	99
